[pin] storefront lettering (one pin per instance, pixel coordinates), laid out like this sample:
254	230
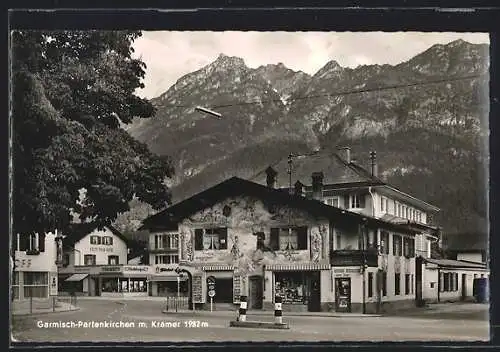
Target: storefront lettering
101	249
136	268
22	263
111	269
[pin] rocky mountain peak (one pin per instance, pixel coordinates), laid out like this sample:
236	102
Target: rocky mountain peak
229	61
331	69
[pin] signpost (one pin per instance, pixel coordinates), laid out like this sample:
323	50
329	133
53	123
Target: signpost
211	290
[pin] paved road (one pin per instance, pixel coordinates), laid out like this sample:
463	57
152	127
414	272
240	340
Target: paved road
214	326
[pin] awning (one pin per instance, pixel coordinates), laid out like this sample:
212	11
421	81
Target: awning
170	278
218	267
297	267
77	277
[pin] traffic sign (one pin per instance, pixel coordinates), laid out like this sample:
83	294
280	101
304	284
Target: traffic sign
211	293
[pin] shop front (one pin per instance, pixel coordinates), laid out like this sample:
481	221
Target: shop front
124	281
169	280
302	287
77	280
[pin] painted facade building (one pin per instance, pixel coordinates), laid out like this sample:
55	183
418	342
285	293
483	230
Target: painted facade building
339	181
242	238
35	265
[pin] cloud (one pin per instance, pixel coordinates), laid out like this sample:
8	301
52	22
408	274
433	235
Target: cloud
169	54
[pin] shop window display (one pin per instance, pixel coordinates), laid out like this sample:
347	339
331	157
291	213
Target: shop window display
292	287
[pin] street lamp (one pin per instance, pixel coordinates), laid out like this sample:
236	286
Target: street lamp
208	111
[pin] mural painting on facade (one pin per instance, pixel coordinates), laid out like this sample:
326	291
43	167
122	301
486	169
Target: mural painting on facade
249	222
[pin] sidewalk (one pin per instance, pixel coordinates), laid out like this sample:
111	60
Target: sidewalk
23	308
268	313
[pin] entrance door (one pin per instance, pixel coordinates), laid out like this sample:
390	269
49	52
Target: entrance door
343	294
464	287
314	304
255	292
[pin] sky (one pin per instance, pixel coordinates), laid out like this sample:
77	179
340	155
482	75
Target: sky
169	55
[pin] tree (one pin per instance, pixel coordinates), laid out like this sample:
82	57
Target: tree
71	93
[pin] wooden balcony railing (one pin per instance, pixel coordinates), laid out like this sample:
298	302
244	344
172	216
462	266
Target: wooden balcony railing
347	257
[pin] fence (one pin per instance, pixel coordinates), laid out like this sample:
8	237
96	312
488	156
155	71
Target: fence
33	305
175	304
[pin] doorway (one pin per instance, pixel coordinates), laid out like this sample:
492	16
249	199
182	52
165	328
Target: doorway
464	287
256	292
314	304
343	294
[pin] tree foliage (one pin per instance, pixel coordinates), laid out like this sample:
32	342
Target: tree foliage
71	93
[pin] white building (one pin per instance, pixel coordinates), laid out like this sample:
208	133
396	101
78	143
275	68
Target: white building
94	260
35	268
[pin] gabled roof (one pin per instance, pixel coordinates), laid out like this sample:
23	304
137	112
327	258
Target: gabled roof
334	168
169	218
77	231
338	174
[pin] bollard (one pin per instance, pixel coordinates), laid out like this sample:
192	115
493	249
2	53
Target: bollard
242	312
278	314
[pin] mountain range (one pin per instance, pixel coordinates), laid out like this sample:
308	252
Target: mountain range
427	119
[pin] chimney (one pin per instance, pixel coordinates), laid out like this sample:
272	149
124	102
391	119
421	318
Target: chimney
374	166
271	177
299	189
346	154
317	185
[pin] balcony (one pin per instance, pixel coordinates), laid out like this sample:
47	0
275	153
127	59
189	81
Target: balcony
169	250
348	257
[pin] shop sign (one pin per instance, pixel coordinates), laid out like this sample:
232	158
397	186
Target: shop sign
101	249
111	269
136	268
53	291
83	270
167	268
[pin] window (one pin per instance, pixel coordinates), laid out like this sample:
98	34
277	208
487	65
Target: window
406	213
407	284
382	204
370	284
166	259
95	240
399	210
65	260
338	240
89	259
36	284
167	241
357	201
15	285
455	275
107	240
31	242
397	284
113	260
292	286
446	282
384	242
333	201
409	247
211	239
396	246
289	238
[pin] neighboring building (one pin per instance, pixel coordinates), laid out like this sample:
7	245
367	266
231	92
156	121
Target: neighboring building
451	280
470	247
95	263
342	183
248	239
35	267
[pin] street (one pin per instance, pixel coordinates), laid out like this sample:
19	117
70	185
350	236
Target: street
145	323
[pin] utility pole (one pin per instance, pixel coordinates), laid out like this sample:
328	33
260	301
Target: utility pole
290	190
363	268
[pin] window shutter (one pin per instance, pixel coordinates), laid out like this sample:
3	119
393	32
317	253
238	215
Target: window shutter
198	239
361	200
274	240
41	242
223	238
302	237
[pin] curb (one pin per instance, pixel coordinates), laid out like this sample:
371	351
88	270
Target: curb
258	324
43	313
